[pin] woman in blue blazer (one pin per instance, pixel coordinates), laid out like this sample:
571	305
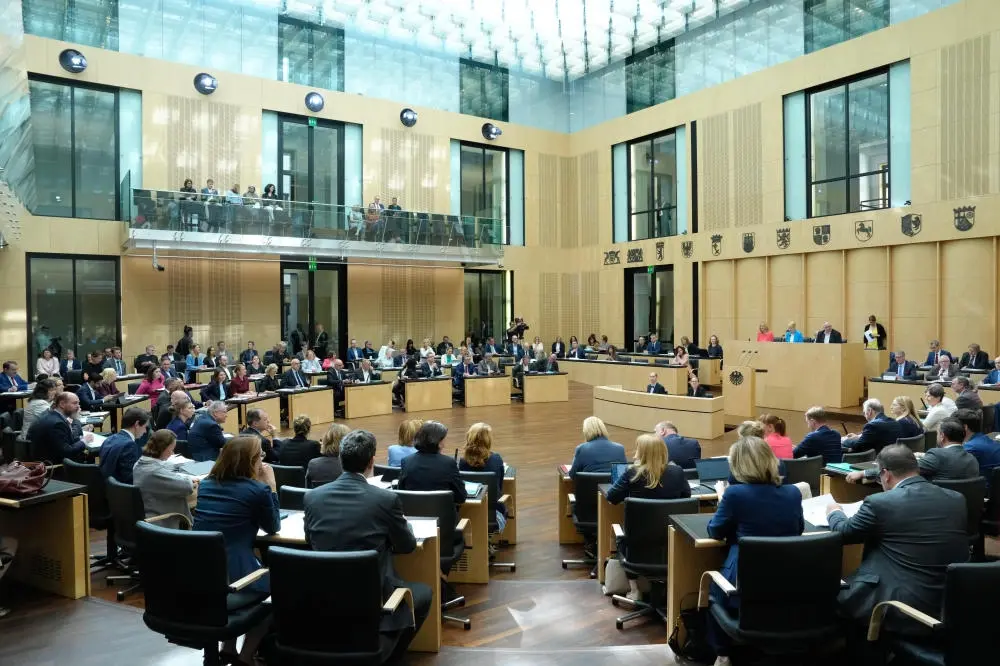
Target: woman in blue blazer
756	505
193	360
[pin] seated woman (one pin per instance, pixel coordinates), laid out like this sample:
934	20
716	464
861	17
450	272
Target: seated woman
427	349
216	389
680	358
255	367
397	452
428	468
327	467
764	334
774	435
905	413
299	450
592	344
47	364
409	371
164	490
240	383
183	416
690	347
310	363
211	359
478	457
39	402
714	348
107	384
152	384
612	353
449	357
270	381
328	361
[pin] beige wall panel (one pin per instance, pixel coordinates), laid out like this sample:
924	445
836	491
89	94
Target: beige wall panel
786	283
590	305
867	275
683	323
590	202
408	167
569	186
751	298
612	306
713	172
825	296
569	309
549	320
966	312
914	297
965	118
718	299
548	201
747	165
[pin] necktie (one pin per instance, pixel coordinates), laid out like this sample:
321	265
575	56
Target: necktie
899	369
298	380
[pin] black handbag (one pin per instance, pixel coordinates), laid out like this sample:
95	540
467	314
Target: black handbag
695	620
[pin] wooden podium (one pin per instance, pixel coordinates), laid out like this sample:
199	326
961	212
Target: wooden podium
739	384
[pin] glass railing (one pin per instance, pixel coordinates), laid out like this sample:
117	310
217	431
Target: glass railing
228	213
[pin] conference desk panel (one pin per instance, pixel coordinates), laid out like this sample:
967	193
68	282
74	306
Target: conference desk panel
886	391
427	394
485	390
702	418
632	376
844	492
119	406
390	374
545	387
315	377
202	375
801	375
122	382
270	403
232	424
316	403
876	362
710	371
509	535
361	400
567	531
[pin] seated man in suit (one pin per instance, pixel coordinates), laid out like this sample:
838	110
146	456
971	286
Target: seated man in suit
11	381
640	345
944	371
354	352
559	347
491	347
167	368
576	351
350	514
654	385
550	365
518	372
993	376
463	370
654	344
966	396
488	366
974	359
205	438
259	426
116	362
366	374
90	399
949	461
53	434
879	431
682	451
148	357
442	347
828	334
120	451
820	440
904	559
246	356
984	448
70	363
335	377
515	349
430	367
902	368
293	377
935	354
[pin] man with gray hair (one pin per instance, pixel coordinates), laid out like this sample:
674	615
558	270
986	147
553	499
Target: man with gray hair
205	438
879	431
966	396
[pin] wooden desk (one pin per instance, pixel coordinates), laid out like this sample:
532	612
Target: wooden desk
487	390
118	406
709	371
389	375
361	400
427	394
52	529
423	565
316	402
232	423
122	382
474	565
268	402
702	418
632	376
886	391
201	375
567	531
546	387
509	535
835	483
876	362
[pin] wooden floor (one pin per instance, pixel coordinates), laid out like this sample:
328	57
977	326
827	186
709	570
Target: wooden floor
542	614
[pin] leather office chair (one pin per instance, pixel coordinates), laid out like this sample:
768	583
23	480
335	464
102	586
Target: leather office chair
74	377
930	440
223	611
441	505
292	498
643	550
22	448
18	419
98	510
125	504
915	443
133	387
8	444
990	524
974	491
303	636
289	475
804	470
797	617
988	414
584	507
966	632
494	501
861	457
388	473
181	448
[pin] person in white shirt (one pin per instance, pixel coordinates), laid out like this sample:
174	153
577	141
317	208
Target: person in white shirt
427	349
386	353
311	363
943	371
223	362
939	406
47	364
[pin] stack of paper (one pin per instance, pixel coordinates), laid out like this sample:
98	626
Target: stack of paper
814	509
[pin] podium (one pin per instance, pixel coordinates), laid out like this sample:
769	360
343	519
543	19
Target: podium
739	383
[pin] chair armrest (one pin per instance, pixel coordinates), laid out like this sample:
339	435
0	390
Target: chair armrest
618	531
712	577
571	497
462	525
238	585
878	614
503	499
398	596
185	521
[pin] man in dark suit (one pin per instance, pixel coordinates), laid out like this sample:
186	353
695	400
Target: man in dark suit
246	356
820	440
520	369
120	451
491	347
52	434
515	349
935	354
205	438
93	365
654	344
259	426
70	363
966	396
576	351
879	431
551	365
149	357
167	368
682	451
442	347
559	347
488	366
949	460
321	341
695	389
335	377
463	370
430	367
90	400
828	334
116	362
654	385
293	377
902	368
350	514
944	371
366	374
354	352
974	359
904	559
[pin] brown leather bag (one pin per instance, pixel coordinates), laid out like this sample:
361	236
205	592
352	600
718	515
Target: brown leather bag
19	479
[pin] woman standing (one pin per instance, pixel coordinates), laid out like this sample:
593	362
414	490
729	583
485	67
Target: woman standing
714	348
874	334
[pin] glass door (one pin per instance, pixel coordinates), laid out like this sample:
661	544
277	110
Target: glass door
649	304
311	299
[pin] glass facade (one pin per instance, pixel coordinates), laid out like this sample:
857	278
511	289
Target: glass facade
484	90
484	176
310	55
486	307
311	166
649	77
829	22
653	187
649	301
310	297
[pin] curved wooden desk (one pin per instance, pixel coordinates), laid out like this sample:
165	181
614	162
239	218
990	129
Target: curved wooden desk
702	418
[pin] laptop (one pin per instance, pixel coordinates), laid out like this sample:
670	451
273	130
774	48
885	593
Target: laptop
711	470
617	470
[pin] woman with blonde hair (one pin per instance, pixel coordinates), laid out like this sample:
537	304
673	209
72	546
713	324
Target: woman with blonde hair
750	429
327	467
597	451
479	457
405	448
651	475
107	385
764	334
905	413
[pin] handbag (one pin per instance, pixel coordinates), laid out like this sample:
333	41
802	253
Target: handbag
23	479
695	646
615	580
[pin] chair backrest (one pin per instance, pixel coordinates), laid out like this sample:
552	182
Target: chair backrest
930	439
863	456
992	511
97	496
289	475
645	536
74	377
917	443
789	583
170	581
691	474
974	491
181	448
808	470
290	497
355	601
969	611
438	504
6	420
125	503
987	422
133	387
18	418
22	448
388	473
488	479
8	444
585	488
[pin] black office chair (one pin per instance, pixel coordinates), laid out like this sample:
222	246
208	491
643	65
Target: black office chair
303	636
98	510
966	632
292	498
915	443
18	419
8	443
181	448
584	506
133	387
861	457
987	422
494	502
930	439
797	617
642	550
289	475
23	449
974	492
74	377
807	470
388	473
440	504
990	524
222	611
125	504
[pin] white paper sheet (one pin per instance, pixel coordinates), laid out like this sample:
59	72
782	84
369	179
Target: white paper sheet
814	509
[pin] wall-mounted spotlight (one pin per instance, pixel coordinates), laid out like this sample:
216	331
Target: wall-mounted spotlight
491	131
315	102
72	61
206	84
408	117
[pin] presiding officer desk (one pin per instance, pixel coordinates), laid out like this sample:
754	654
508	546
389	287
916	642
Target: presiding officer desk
423	565
702	418
886	391
270	402
633	376
316	402
372	399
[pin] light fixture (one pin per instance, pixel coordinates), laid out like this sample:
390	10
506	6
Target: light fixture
491	132
315	102
72	61
408	117
206	84
3	241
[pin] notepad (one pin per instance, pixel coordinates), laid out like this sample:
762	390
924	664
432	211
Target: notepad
472	488
814	509
840	467
95	443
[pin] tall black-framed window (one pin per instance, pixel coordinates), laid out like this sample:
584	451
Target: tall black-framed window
829	22
485	193
649	304
85	22
310	54
310	297
484	90
650	77
73	303
311	167
74	130
487	303
652	183
847	127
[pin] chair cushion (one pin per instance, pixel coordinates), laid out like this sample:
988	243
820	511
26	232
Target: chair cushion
239	622
918	652
238	600
773	642
651	571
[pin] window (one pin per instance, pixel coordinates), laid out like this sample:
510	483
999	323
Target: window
310	55
484	90
650	77
848	131
73	303
85	22
652	182
311	169
829	22
75	140
486	304
484	191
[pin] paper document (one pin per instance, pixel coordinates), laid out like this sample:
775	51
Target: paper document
95	444
814	509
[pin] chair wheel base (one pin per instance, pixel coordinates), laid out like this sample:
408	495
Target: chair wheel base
619	625
467	625
565	566
120	595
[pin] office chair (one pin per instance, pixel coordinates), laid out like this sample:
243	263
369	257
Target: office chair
289	475
930	440
18	424
23	447
133	387
988	418
494	502
292	498
125	504
222	611
181	448
441	505
74	377
8	444
966	631
388	473
642	549
915	443
584	506
98	510
990	524
862	457
797	616
974	492
303	636
807	470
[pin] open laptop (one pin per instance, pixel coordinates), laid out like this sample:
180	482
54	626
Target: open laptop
617	470
711	470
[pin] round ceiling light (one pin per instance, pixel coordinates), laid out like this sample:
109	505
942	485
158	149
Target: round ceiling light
72	61
206	84
315	102
408	117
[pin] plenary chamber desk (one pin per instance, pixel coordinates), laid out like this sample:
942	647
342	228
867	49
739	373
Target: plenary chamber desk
886	391
270	403
801	375
372	399
485	390
702	418
633	376
316	402
545	387
427	394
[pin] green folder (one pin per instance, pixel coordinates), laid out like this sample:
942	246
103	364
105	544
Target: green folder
840	467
